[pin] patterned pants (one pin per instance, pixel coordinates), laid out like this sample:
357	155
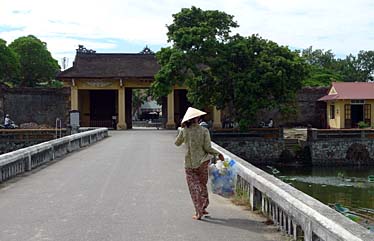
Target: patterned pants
197	179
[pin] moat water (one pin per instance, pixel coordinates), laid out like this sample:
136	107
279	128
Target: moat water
348	186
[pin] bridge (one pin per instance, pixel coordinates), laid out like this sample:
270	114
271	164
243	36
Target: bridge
131	186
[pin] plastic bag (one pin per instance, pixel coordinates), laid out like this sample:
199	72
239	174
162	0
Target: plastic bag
222	177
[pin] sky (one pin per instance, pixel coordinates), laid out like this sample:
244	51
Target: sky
127	26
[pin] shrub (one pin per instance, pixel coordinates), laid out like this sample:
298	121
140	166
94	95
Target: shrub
363	124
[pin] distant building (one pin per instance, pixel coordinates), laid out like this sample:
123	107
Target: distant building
349	103
101	88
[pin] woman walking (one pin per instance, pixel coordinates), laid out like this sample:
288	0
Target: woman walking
197	141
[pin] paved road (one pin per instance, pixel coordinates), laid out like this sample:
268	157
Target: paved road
130	186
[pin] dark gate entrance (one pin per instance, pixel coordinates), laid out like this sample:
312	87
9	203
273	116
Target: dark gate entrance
102	108
357	114
181	105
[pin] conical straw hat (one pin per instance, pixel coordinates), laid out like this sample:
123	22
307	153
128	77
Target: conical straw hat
192	113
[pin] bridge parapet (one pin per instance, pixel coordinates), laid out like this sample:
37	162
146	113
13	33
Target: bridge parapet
26	159
296	213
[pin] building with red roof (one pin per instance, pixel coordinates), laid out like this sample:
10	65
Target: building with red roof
349	103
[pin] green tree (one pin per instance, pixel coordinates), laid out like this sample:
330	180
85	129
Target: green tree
349	69
37	64
323	67
196	36
245	74
9	64
259	74
366	60
139	97
358	69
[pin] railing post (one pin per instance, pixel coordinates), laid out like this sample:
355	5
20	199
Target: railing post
308	233
251	197
263	204
295	231
28	163
53	153
276	215
284	225
289	230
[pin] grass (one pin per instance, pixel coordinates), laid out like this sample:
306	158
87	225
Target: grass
241	198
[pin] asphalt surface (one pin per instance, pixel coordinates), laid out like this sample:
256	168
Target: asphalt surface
130	186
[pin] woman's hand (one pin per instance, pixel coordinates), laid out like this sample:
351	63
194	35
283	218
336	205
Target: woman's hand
220	156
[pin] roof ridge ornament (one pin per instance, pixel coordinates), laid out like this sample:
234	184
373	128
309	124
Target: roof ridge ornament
82	50
146	50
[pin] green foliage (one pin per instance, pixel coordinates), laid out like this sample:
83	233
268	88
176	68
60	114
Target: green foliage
261	75
325	68
197	36
363	124
241	197
37	64
194	29
139	97
358	69
52	84
56	84
245	74
9	64
321	77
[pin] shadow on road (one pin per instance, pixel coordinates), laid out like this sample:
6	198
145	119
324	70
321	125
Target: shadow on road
235	223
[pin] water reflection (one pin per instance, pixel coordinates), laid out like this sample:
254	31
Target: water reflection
346	185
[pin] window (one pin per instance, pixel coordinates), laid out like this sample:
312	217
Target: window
357	102
367	114
332	111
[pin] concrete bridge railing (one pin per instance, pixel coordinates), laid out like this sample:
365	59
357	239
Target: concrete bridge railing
26	159
296	213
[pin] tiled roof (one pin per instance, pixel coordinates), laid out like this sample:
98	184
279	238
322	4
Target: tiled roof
350	91
94	65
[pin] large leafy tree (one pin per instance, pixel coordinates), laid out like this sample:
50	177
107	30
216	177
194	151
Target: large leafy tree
323	66
196	37
260	75
360	68
366	63
37	64
245	74
9	64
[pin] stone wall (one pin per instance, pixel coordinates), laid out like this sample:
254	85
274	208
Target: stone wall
39	105
252	149
11	140
342	152
341	146
310	111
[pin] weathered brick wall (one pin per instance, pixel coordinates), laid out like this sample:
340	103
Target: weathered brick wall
39	105
309	110
342	151
254	150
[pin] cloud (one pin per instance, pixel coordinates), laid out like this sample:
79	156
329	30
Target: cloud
344	26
